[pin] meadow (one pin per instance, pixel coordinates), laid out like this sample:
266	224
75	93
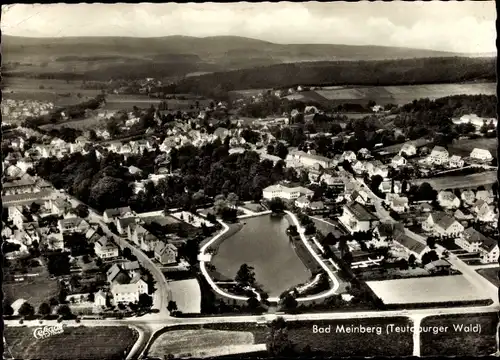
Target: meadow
491	274
460	182
464	147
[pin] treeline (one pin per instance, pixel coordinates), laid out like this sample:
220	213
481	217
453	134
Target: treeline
370	73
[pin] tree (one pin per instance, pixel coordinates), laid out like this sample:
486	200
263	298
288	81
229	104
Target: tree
62	295
253	303
288	301
270	149
276	205
277	343
172	306
7	309
429	256
64	311
281	150
232	200
292	230
127	253
245	275
145	301
82	210
26	310
58	264
431	242
44	309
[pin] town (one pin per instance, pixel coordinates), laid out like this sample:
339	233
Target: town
161	213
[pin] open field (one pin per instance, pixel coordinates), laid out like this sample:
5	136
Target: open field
84	124
75	343
184	342
187	295
325	228
491	274
465	146
434	289
338	343
35	290
459	342
404	94
454	182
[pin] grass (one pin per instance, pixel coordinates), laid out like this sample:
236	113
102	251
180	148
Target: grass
337	343
75	343
460	343
180	342
325	228
93	122
253	207
491	274
465	146
455	182
35	290
425	290
305	256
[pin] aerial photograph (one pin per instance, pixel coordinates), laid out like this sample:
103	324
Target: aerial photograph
249	180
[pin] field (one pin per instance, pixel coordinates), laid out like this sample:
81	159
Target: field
337	343
35	290
465	146
325	228
491	274
460	343
74	343
184	342
426	290
404	94
83	124
454	182
187	295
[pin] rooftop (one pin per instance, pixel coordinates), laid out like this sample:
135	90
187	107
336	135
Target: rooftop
360	212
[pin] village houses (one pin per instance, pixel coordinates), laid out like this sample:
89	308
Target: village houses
356	217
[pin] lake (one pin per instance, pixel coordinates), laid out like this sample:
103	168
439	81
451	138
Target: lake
263	244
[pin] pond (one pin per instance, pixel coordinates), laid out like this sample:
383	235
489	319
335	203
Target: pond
263	244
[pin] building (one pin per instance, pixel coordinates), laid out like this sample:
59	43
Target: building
456	162
129	293
441	224
398	161
448	200
123	272
105	248
486	195
349	156
438	266
287	193
122	224
359	196
410	245
73	224
399	204
468	197
112	214
358	167
387	187
356	217
481	154
143	238
438	156
165	253
22	186
310	160
408	150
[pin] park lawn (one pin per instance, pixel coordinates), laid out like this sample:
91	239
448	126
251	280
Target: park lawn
186	342
491	274
337	343
75	343
35	290
454	182
460	343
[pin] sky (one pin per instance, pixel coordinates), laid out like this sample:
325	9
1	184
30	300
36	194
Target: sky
448	26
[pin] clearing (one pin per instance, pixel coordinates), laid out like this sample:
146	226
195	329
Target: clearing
459	342
491	274
454	182
187	295
465	146
434	289
79	342
189	342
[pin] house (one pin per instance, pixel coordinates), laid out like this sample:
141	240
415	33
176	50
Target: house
463	215
13	171
358	167
165	253
59	206
310	160
105	248
399	204
426	207
143	238
302	202
483	211
22	186
383	233
100	298
123	272
468	197
387	187
408	150
470	240
489	251
349	156
481	154
456	162
129	293
123	223
359	196
438	266
363	153
398	161
221	133
448	200
438	156
333	181
441	224
486	195
74	224
283	192
111	214
356	217
409	244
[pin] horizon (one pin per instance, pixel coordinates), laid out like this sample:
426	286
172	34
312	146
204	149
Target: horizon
455	27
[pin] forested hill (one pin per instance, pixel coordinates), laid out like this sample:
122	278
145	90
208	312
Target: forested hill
370	73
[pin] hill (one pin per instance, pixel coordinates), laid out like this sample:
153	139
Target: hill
94	57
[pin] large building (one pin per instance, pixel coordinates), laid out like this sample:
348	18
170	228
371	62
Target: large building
356	217
284	192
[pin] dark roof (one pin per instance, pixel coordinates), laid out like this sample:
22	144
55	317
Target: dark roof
472	235
409	243
360	212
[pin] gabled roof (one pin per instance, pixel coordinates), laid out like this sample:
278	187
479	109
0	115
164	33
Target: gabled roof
473	236
162	247
445	222
117	211
360	212
409	243
439	149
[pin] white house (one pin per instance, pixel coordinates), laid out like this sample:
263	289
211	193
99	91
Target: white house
349	156
356	217
456	162
358	167
386	187
283	192
398	161
105	248
165	253
468	197
486	195
442	225
126	293
410	245
399	204
110	215
448	200
408	149
438	156
481	154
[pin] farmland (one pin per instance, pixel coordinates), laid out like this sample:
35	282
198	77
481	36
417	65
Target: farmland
491	274
184	342
404	94
93	122
435	289
456	182
465	146
455	342
79	343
